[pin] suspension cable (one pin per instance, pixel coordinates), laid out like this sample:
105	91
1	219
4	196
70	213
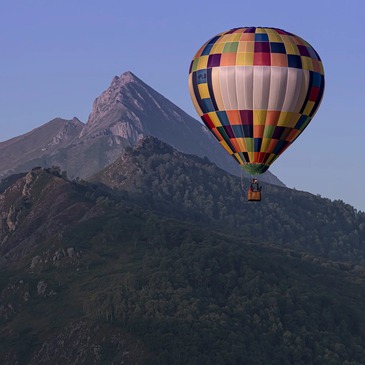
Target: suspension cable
242	185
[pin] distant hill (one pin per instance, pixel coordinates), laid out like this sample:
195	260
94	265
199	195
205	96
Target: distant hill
24	152
123	114
161	260
186	186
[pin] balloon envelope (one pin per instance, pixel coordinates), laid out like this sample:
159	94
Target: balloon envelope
256	89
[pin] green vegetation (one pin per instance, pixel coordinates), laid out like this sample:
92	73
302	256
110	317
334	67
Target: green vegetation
174	267
195	190
194	296
197	297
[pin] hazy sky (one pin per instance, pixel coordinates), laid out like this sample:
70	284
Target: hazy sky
57	56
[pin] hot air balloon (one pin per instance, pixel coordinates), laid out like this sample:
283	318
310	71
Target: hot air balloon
256	89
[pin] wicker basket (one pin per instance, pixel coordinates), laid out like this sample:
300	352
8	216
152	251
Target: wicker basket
254	196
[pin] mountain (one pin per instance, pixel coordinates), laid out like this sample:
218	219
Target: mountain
188	187
128	110
24	152
41	203
160	260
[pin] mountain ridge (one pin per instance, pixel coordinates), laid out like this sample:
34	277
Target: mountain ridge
125	112
40	141
174	183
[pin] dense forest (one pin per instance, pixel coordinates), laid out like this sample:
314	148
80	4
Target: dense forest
197	297
194	189
171	265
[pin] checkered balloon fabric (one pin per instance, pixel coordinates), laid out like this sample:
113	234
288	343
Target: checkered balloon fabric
256	89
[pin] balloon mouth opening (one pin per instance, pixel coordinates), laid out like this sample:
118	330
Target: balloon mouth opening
254	168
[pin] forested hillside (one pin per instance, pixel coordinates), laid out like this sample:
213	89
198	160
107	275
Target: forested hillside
166	263
188	187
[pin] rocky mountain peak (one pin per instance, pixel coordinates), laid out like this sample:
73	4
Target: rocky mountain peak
122	115
76	121
125	78
67	131
114	110
130	110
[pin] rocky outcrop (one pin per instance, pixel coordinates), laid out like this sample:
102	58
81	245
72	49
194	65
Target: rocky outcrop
41	288
86	342
35	208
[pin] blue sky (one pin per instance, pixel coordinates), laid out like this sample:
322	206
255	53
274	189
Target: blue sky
58	56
